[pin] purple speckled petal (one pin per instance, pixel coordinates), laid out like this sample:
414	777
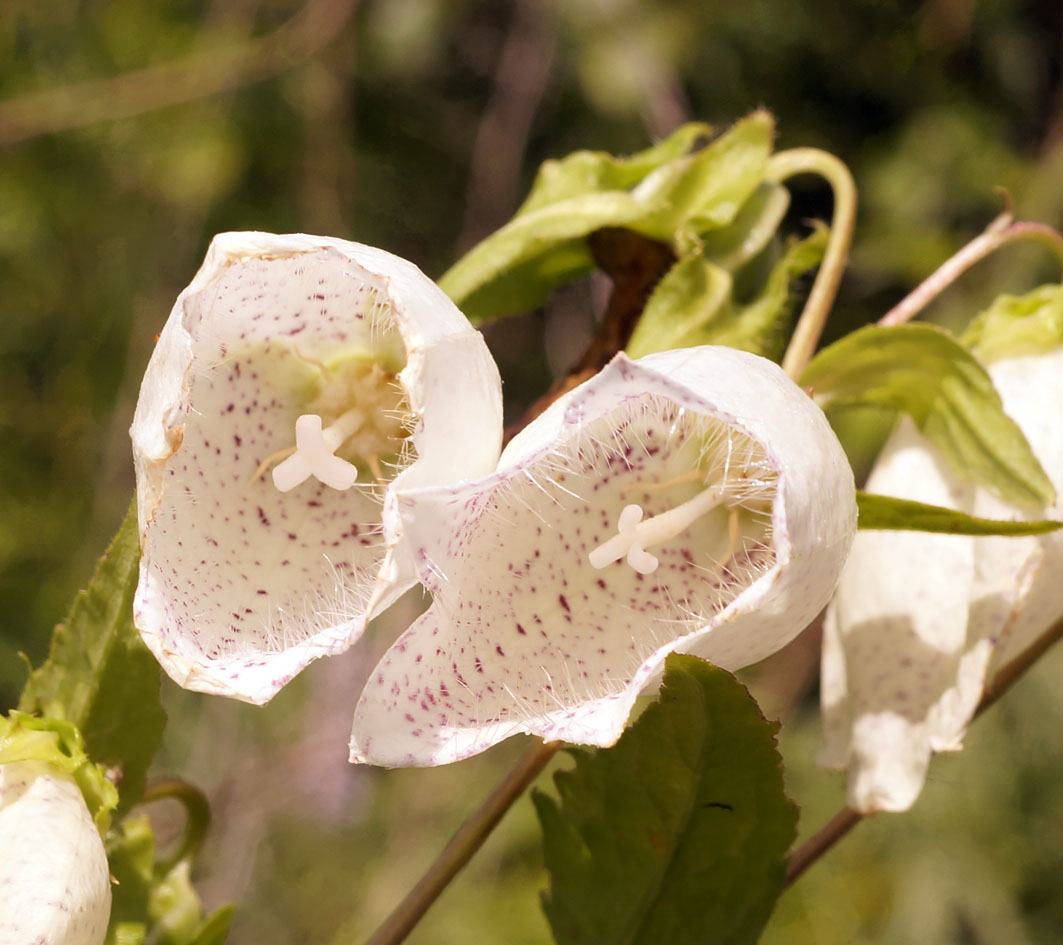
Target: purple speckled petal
920	621
242	585
55	887
526	635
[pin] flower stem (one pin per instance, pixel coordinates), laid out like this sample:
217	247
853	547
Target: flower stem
468	839
999	233
817	309
197	817
847	818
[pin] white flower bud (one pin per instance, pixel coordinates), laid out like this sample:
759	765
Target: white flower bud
55	887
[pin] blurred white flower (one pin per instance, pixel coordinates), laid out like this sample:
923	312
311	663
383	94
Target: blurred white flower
298	381
692	501
55	888
919	621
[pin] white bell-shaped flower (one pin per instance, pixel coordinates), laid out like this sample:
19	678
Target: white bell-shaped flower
920	622
693	501
298	381
55	887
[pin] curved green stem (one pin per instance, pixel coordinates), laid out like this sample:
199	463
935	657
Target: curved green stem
999	233
197	817
817	309
469	838
847	818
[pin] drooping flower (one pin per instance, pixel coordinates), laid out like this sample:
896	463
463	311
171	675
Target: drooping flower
297	382
694	501
55	887
920	622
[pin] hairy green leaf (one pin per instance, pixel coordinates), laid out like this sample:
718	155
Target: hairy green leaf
1018	324
665	193
926	373
887	512
752	230
529	241
692	305
588	172
678	834
100	676
705	191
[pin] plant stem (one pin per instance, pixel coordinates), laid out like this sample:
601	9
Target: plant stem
847	818
817	309
999	233
468	839
197	817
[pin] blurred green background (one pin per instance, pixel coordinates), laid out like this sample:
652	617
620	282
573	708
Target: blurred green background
132	130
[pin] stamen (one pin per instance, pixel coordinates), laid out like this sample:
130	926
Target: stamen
313	456
635	535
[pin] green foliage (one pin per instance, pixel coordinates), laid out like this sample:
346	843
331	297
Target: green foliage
99	675
924	372
694	304
58	743
664	193
678	833
1018	324
887	512
151	904
592	172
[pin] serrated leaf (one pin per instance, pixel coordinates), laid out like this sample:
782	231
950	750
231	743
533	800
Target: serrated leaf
678	834
99	675
884	512
1018	324
692	305
588	172
926	373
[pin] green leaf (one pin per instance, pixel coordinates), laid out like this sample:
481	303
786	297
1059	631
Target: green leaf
154	903
100	676
886	512
1018	324
705	191
751	231
664	193
588	172
58	743
529	241
684	308
679	833
692	305
926	373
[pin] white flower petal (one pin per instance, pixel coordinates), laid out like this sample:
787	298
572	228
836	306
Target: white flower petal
920	621
533	631
54	883
241	584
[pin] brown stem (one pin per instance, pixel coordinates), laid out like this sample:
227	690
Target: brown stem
1000	232
847	818
635	263
469	838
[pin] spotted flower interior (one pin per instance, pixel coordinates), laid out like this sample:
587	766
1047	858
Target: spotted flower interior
262	530
584	617
633	519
